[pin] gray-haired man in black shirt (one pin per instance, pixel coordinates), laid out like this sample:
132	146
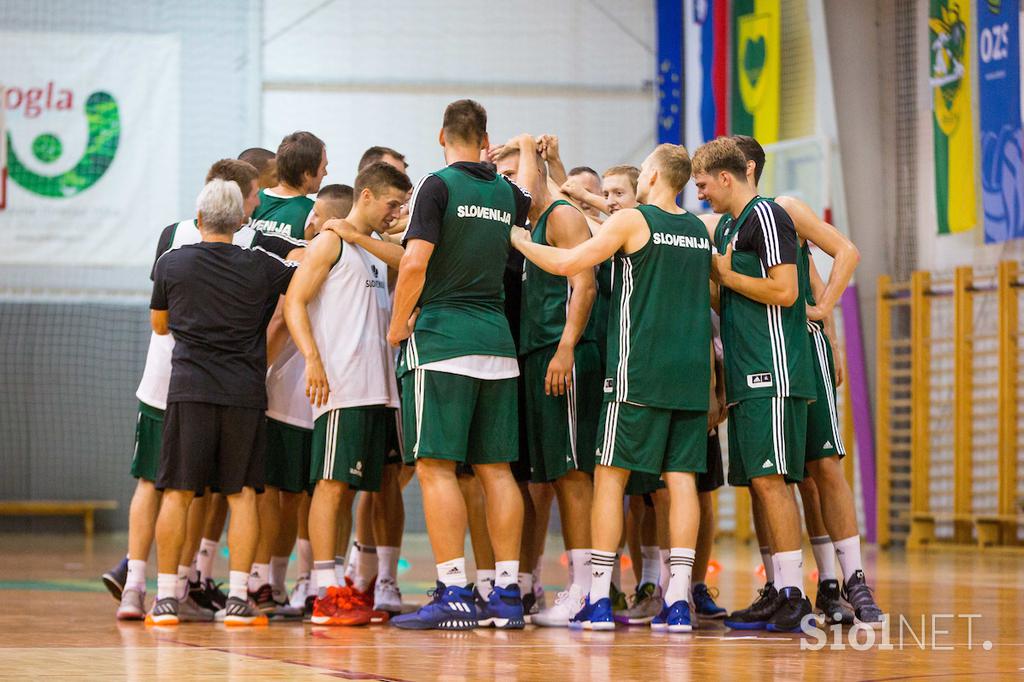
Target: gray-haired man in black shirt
216	298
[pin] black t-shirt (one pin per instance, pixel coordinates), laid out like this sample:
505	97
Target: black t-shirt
431	199
769	232
220	298
277	244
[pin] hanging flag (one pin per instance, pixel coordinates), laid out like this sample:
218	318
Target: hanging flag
1002	169
949	42
757	42
670	70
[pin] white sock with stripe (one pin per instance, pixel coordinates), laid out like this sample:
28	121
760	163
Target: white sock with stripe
259	576
680	564
324	576
485	581
453	572
601	574
238	585
166	585
204	560
663	572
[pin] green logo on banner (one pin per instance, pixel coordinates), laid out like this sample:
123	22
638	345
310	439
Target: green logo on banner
753	59
948	48
104	123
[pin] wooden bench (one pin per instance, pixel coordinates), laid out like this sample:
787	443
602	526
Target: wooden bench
84	508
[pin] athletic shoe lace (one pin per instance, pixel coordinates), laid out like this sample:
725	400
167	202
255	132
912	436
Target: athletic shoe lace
860	595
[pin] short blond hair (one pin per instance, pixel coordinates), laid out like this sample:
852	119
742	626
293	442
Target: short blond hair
632	173
720	154
673	161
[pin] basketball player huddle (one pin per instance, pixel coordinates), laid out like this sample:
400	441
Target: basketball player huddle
509	333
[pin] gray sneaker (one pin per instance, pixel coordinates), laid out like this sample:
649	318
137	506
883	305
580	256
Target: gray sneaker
646	605
191	612
860	597
164	612
133	605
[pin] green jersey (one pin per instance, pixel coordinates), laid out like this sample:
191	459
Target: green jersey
765	347
659	326
545	298
286	216
466	211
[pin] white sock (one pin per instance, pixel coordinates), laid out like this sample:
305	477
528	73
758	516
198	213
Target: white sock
278	572
848	551
453	572
525	581
506	574
166	585
193	569
617	570
324	576
651	571
387	563
664	573
681	565
485	582
824	557
305	559
580	571
259	576
601	574
313	583
366	567
182	588
768	563
341	566
789	569
136	575
204	559
350	562
238	585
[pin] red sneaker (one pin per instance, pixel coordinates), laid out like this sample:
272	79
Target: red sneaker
365	601
338	608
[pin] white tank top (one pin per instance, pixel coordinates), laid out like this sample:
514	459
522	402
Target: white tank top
350	318
286	389
156	377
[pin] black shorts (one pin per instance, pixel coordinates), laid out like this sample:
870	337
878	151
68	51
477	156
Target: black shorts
212	445
714	477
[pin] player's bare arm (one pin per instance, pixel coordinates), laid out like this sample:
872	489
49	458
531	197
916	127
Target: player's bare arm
780	287
846	256
158	320
306	282
626	231
412	274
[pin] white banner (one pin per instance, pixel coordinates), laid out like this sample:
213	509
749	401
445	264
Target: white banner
93	126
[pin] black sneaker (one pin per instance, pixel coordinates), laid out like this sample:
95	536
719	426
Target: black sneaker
793	607
755	616
307	611
115	578
857	592
214	594
200	596
530	606
830	603
165	612
264	599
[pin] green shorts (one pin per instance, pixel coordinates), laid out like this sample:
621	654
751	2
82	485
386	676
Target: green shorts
459	418
766	437
824	434
393	445
149	434
561	431
653	439
287	459
350	445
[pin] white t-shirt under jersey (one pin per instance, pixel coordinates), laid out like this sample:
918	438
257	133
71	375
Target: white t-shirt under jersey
156	377
286	389
350	318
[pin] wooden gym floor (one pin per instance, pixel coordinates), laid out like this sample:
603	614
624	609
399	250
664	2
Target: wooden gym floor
58	622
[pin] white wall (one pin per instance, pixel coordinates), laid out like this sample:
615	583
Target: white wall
360	74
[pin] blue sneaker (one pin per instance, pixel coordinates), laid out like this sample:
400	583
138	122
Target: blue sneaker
704	603
597	616
451	608
503	609
678	617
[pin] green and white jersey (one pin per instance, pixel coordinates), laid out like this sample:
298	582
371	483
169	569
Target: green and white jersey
659	329
765	347
466	211
279	215
545	298
806	294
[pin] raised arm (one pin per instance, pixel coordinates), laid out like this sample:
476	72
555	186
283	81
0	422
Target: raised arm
548	145
625	231
574	189
567	229
321	255
845	255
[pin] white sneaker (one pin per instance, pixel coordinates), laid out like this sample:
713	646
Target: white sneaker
567	605
133	605
387	596
299	593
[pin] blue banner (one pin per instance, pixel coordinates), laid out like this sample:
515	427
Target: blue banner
1002	162
670	70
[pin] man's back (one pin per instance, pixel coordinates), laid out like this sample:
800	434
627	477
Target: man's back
219	299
